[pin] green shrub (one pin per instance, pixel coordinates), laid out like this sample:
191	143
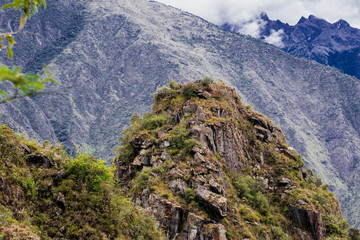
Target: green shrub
78	195
172	84
250	189
152	121
181	141
188	90
135	117
354	234
85	169
206	81
189	195
163	93
164	195
335	226
286	211
320	199
277	233
29	186
261	203
242	187
140	181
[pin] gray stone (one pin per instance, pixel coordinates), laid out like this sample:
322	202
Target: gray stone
284	181
165	156
302	202
308	220
199	149
215	204
178	186
199	158
216	187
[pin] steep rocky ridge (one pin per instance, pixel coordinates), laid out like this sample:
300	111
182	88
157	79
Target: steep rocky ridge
207	167
126	49
334	44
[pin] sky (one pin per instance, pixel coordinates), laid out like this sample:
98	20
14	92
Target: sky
289	11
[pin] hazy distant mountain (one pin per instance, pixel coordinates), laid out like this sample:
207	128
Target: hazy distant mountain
116	53
334	44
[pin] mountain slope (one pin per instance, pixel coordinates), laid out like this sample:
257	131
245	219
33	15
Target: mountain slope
126	49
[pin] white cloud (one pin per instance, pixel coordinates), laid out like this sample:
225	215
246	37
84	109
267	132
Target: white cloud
275	38
252	27
241	11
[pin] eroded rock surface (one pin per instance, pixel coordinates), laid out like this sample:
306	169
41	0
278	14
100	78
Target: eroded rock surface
221	169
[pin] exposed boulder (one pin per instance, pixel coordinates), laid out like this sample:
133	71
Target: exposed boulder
216	204
141	142
216	187
178	186
61	201
284	181
38	161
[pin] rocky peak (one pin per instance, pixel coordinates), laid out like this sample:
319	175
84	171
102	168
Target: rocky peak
205	166
342	24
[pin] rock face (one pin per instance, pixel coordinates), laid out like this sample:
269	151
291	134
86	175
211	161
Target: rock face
114	54
308	220
216	178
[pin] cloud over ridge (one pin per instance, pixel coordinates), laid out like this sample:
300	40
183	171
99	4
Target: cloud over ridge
242	11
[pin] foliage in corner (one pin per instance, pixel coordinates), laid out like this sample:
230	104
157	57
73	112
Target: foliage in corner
72	198
20	84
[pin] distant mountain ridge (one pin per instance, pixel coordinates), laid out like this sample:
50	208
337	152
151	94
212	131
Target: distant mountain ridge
115	54
334	44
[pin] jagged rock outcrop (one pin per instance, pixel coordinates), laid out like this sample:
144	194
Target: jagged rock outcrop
223	172
307	220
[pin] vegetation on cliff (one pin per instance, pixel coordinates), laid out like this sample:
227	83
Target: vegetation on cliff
221	169
44	194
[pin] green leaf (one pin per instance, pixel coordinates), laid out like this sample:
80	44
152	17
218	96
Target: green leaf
34	9
44	3
10	52
9	5
3	93
27	12
22	21
11	40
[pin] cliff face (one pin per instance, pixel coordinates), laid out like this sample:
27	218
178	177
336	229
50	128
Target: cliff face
115	54
205	166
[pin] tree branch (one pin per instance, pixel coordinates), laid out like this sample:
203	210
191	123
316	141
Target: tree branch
17	96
